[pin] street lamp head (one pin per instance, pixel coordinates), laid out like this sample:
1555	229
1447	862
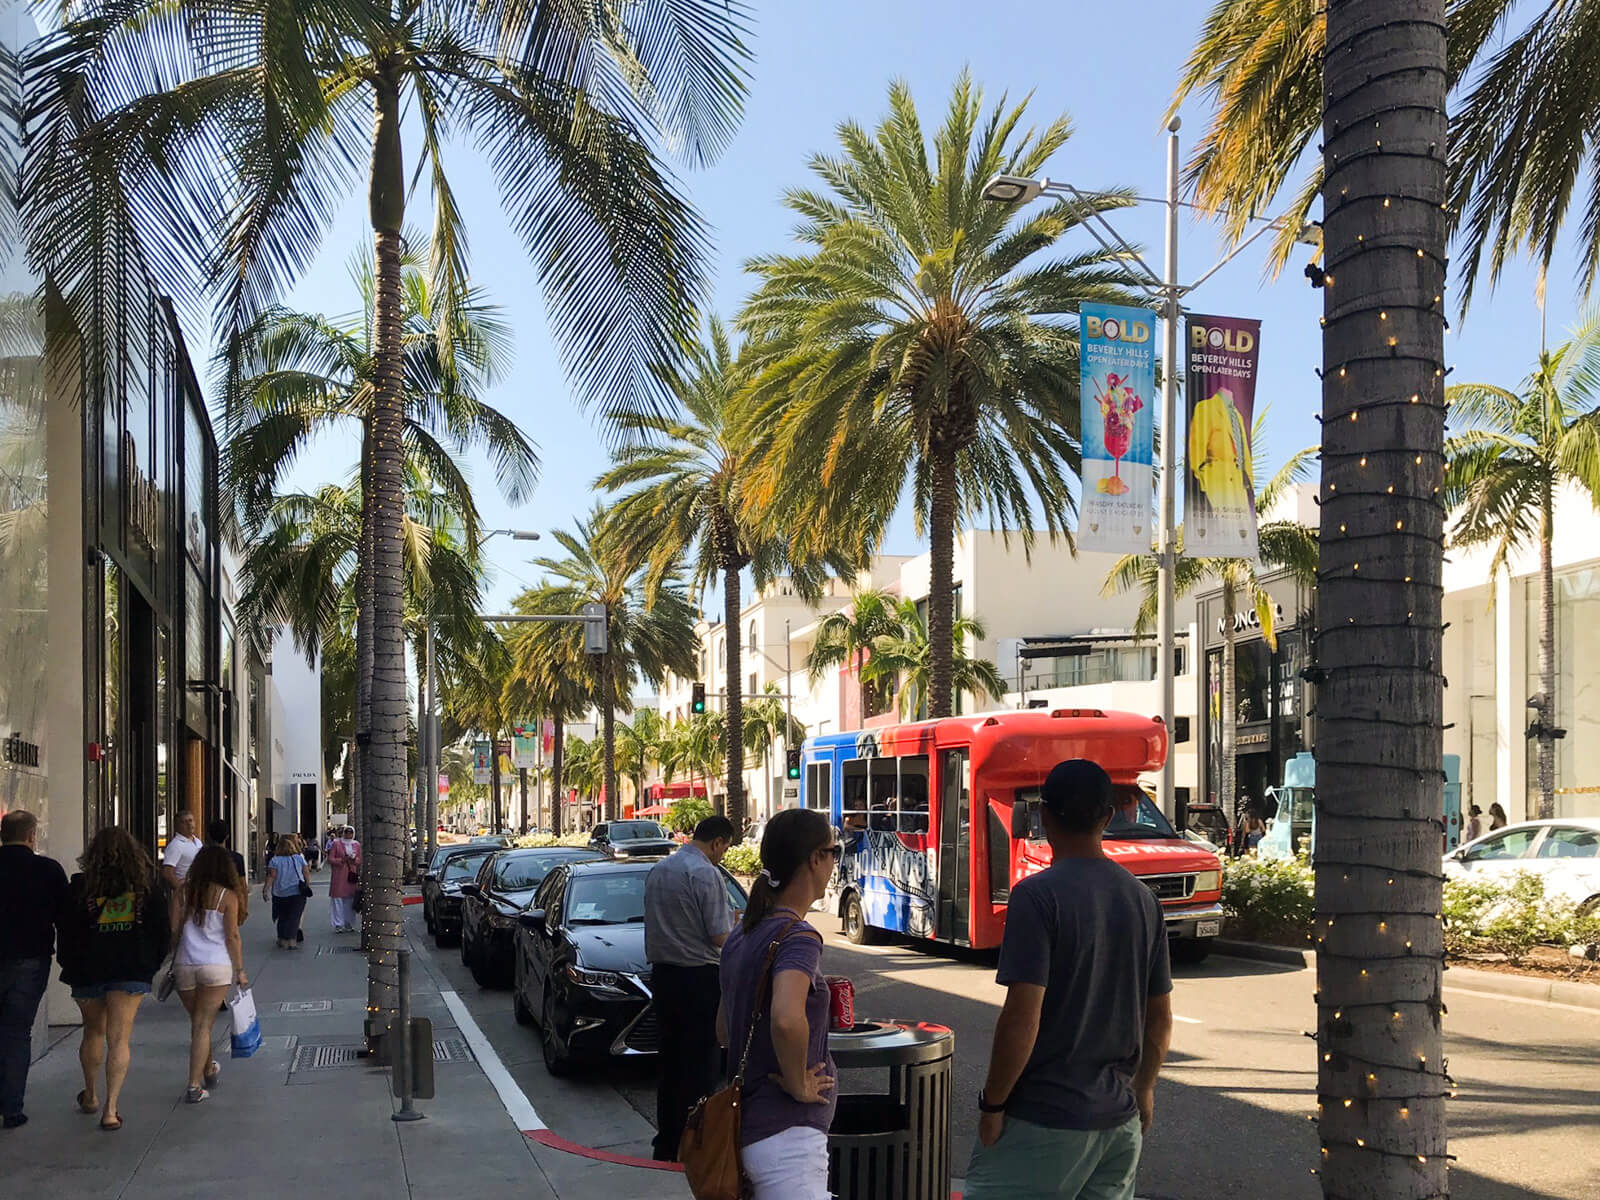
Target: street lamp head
1012	189
525	535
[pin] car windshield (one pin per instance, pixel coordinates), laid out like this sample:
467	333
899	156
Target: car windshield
608	899
463	867
1136	815
625	830
519	872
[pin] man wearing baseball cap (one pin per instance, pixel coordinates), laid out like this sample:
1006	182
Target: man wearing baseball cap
1087	1017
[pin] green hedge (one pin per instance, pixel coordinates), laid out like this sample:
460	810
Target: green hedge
743	859
1272	900
547	839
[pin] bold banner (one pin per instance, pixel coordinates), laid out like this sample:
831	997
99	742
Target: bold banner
482	767
524	748
1219	496
1118	357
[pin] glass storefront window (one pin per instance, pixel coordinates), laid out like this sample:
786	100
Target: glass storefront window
111	718
1253	680
1577	642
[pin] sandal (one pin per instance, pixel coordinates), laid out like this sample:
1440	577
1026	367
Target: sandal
196	1095
111	1126
212	1072
84	1106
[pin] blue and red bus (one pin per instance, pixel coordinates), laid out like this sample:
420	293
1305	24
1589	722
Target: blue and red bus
941	817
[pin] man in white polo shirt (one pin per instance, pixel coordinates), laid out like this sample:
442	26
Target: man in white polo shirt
181	849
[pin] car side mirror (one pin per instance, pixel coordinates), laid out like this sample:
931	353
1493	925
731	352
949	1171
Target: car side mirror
471	889
533	919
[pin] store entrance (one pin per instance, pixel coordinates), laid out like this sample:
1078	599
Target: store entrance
141	816
1254	771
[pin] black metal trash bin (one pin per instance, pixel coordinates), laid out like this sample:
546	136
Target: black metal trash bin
895	1144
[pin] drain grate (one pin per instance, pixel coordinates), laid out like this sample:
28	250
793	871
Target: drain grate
331	1057
451	1050
306	1006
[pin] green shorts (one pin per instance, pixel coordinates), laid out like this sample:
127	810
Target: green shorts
1081	1164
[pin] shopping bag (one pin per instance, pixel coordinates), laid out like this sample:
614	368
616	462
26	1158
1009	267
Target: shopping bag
246	1029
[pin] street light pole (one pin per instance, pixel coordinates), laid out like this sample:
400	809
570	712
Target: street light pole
1166	548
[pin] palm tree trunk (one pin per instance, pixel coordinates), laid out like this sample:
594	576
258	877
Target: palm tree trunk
941	578
358	805
1380	697
558	790
609	721
385	781
1547	661
1228	714
734	709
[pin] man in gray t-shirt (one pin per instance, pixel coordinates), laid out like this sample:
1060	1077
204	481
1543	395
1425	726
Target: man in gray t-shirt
1087	1017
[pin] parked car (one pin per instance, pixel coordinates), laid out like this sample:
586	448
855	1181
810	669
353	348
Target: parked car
631	839
580	972
1565	852
490	904
458	871
431	880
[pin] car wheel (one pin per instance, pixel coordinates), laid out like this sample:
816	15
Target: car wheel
466	956
557	1063
440	937
481	974
1190	952
521	1011
427	917
856	929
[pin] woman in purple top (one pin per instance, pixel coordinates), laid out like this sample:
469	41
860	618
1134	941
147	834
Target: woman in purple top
789	1079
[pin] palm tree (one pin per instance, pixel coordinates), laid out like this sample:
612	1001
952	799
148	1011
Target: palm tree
902	661
1514	452
924	333
257	125
1519	139
585	767
543	677
650	625
683	478
845	639
694	747
1283	546
766	720
640	747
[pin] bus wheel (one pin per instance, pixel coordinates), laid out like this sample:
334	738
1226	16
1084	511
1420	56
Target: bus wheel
856	928
1190	951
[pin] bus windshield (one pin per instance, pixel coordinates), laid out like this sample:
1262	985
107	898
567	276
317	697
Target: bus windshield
1136	815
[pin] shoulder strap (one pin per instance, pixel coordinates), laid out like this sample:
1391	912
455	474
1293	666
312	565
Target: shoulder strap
763	996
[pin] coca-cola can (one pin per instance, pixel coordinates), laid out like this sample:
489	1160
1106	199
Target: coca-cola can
841	1002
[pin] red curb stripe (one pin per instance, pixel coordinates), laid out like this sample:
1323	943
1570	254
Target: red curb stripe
556	1142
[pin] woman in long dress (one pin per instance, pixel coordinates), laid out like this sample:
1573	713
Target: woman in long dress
344	870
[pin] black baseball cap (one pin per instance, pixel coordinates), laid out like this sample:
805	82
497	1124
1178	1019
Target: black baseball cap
1078	794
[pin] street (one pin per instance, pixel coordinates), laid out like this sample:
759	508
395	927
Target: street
1234	1097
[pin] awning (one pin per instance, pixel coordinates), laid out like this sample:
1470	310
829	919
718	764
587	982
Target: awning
655	810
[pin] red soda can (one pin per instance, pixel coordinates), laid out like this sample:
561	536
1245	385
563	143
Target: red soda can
841	1002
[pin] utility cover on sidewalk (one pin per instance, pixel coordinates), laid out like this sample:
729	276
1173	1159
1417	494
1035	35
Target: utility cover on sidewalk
327	1057
305	1006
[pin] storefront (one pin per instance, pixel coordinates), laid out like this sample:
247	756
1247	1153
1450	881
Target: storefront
1270	700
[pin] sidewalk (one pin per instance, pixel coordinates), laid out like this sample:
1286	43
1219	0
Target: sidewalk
301	1113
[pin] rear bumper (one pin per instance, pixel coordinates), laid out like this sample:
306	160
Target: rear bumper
1184	922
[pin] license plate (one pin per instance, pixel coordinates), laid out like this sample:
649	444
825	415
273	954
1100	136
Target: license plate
1207	928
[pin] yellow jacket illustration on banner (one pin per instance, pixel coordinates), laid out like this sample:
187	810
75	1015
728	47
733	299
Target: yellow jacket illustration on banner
1219	451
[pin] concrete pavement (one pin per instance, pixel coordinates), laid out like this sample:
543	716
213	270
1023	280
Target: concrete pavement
301	1109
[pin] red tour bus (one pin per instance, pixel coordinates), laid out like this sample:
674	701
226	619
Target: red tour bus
941	817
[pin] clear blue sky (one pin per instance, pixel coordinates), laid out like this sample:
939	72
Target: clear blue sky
1110	67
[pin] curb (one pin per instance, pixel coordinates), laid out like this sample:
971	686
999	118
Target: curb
1493	983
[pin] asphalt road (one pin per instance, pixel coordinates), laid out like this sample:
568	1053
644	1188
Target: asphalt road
1232	1104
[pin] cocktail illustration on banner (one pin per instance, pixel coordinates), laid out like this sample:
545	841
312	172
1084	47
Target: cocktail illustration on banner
1118	404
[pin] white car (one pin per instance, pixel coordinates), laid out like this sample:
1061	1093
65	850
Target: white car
1565	852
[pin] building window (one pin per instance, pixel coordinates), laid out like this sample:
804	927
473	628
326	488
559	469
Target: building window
750	641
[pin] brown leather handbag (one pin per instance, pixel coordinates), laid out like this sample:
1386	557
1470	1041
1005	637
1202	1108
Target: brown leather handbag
709	1147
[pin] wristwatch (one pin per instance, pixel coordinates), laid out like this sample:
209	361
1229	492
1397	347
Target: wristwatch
986	1107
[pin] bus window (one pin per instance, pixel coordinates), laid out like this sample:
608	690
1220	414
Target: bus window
819	786
883	794
853	794
914	794
999	859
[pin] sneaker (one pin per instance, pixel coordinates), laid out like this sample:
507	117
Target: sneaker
196	1095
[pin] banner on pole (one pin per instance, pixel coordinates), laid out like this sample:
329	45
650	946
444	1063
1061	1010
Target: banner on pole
547	740
482	767
1219	500
524	748
1118	377
444	785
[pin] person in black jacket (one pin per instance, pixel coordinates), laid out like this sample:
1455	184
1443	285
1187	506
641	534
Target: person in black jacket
31	888
115	931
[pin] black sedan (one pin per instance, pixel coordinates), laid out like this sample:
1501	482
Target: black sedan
433	877
459	870
491	903
580	971
631	839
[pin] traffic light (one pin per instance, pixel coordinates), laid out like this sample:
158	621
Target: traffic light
697	702
791	763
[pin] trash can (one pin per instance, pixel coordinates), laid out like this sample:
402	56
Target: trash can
893	1144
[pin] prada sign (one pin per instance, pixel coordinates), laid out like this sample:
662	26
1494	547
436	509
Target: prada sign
143	497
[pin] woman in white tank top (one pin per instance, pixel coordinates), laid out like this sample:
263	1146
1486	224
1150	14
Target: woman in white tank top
208	957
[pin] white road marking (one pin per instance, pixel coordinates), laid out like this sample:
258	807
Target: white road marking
1188	1020
522	1113
1461	991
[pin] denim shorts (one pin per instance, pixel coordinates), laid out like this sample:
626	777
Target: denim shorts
97	991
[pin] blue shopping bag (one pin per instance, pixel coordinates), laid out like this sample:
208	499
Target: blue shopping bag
246	1029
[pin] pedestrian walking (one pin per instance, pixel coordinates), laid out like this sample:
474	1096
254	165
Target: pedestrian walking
32	888
789	1078
286	885
1497	817
344	880
1474	823
218	834
115	929
208	958
687	918
1087	1016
